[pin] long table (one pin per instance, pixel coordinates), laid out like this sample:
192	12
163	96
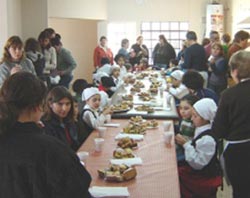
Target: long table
157	177
163	103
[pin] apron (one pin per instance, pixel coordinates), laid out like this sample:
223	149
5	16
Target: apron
222	159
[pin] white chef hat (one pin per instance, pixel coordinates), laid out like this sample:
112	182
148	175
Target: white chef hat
206	108
177	74
89	92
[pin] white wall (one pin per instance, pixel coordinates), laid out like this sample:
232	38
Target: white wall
14	17
158	10
79	9
34	17
3	24
240	11
78	36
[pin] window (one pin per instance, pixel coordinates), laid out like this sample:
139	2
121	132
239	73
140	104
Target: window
118	31
174	32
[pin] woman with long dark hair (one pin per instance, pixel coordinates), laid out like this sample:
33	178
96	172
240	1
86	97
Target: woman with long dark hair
163	53
33	164
58	119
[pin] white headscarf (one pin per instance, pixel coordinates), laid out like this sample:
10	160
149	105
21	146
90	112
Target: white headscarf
177	74
89	92
206	108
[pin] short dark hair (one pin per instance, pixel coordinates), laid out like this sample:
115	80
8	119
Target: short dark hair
191	35
55	41
107	81
124	42
105	60
31	44
226	38
241	35
79	85
103	37
16	97
190	98
174	61
50	31
193	80
118	56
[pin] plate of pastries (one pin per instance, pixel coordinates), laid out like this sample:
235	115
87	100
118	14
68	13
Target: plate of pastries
134	129
144	108
120	153
127	143
117	173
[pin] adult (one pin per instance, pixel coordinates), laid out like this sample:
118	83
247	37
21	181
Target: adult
102	51
51	32
49	53
33	164
195	57
214	36
65	63
163	52
138	51
239	43
232	124
124	49
13	59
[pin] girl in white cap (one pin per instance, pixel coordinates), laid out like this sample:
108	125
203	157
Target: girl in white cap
177	89
90	114
200	174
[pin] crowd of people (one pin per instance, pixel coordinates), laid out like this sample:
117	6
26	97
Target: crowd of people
47	123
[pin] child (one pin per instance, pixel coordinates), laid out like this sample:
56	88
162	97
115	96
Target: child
200	175
186	127
218	68
194	82
178	90
115	74
106	84
58	118
143	65
120	61
106	66
173	65
128	67
90	114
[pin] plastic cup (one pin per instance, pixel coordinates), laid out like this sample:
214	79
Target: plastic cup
101	131
99	142
108	118
168	136
166	125
83	155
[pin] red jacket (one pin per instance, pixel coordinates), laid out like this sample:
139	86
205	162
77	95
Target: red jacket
99	53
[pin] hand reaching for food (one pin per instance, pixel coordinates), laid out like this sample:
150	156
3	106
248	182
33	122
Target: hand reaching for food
179	139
